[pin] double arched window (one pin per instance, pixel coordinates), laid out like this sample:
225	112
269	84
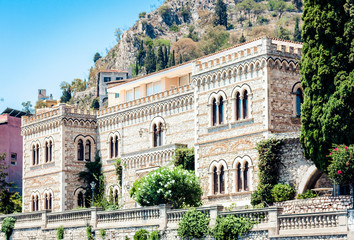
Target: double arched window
242	174
241	103
35	154
81	199
48	151
35	202
218	179
217	103
84	150
157	134
113	146
48	201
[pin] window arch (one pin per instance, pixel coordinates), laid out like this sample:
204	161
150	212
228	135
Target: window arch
35	154
158	128
115	196
245	104
80	150
116	147
221	110
214	112
80	199
222	180
215	180
111	147
88	150
35	202
48	151
217	108
241	96
218	178
239	178
48	201
238	106
243	169
299	101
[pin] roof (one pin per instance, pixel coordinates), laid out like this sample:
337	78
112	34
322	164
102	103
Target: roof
114	70
15	113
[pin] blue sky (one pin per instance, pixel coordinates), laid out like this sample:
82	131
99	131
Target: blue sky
45	42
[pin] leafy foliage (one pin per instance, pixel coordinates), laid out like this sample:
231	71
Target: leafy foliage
154	235
268	166
165	13
194	224
103	233
297	31
118	33
150	60
27	107
215	39
187	48
7	226
95	104
96	57
141	234
327	78
176	186
119	170
11	202
89	233
186	13
3	173
341	169
185	157
307	194
60	232
40	104
174	28
283	192
231	227
220	15
142	15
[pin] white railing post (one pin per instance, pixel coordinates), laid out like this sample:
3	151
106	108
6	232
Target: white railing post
163	216
350	222
273	223
94	219
44	219
214	212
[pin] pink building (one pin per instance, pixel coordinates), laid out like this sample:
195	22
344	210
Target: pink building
11	144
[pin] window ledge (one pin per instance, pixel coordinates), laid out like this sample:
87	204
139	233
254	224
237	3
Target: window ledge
242	122
218	127
229	194
76	161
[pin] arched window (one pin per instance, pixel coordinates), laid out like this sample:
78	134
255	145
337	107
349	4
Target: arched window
245	177
111	147
50	151
115	196
80	150
37	203
88	151
37	154
215	180
116	147
46	203
222	180
80	200
46	152
299	101
238	106
160	134
50	201
239	178
156	135
33	204
214	112
221	110
34	155
245	105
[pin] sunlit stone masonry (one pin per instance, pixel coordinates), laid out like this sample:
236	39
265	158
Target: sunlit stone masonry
221	105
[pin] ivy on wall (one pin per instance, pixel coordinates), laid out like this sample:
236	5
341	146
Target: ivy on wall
185	157
7	226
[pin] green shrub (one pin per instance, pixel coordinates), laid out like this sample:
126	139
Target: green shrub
142	15
194	224
89	233
154	235
95	104
231	227
341	169
178	187
283	192
174	28
7	226
103	233
60	232
185	157
141	234
308	194
261	20
263	194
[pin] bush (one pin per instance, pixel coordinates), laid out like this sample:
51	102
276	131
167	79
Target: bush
7	226
89	233
154	235
60	232
174	28
283	192
263	194
194	224
103	233
141	234
185	157
261	20
142	15
307	194
341	169
95	104
215	39
176	186
231	227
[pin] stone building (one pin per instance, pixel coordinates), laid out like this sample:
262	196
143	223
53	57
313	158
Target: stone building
221	105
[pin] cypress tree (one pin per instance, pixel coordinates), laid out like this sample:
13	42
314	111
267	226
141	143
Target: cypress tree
180	58
165	62
242	38
297	31
141	54
159	60
327	78
220	13
172	61
150	61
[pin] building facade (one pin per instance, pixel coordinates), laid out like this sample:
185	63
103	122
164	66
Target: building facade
221	105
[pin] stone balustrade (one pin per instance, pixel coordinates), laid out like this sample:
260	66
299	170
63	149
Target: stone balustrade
270	221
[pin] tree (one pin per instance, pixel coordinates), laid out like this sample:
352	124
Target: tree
159	59
297	31
3	173
187	48
283	33
242	39
141	54
96	57
248	6
327	78
194	225
172	60
220	15
178	187
66	96
215	39
27	107
150	61
165	57
298	4
118	33
40	104
78	85
95	104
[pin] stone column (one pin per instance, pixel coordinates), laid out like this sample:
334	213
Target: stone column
44	219
273	229
94	219
214	211
163	208
350	222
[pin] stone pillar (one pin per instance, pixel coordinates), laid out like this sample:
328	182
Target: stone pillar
214	211
350	222
163	208
94	219
273	229
44	219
